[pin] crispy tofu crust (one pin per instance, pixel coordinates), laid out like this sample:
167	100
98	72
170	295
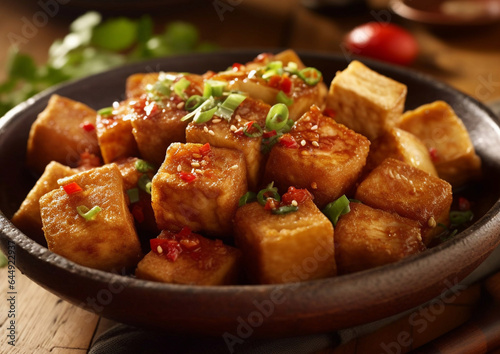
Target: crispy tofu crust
397	187
107	242
367	237
332	155
57	134
285	248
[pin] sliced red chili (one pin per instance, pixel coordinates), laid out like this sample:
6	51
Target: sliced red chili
288	141
299	195
271	204
166	247
270	134
205	149
274	81
286	85
187	176
72	188
87	126
463	204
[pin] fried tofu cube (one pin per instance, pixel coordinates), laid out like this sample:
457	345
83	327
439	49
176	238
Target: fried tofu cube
199	186
400	145
366	238
108	241
114	131
445	135
397	187
137	83
221	133
365	101
293	247
193	260
59	134
326	158
27	217
248	78
159	123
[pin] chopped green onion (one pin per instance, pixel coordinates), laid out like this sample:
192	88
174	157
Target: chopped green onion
205	106
352	200
105	111
227	108
277	117
281	97
274	65
180	86
285	209
460	217
193	102
133	195
86	213
311	76
205	116
292	67
246	198
214	88
270	189
144	183
256	134
337	208
144	166
268	143
160	88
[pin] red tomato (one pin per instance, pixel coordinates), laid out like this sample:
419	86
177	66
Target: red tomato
383	41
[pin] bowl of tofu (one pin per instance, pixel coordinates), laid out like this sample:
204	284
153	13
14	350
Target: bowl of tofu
250	193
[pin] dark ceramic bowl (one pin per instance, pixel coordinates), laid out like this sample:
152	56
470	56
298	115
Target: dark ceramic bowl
267	310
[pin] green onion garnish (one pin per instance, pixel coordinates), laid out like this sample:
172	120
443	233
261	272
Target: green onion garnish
285	209
205	116
144	183
133	195
86	213
214	88
458	218
258	130
246	198
205	106
264	194
337	208
281	97
180	86
143	166
292	67
193	102
311	76
277	117
229	105
105	111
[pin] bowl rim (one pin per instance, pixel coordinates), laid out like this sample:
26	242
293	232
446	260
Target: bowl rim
472	235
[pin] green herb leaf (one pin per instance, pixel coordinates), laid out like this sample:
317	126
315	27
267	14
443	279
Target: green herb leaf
115	34
337	208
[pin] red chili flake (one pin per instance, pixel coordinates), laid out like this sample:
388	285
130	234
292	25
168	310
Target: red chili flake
72	188
187	176
138	213
205	149
288	141
434	154
249	128
239	132
166	247
299	195
87	126
270	134
286	85
329	112
271	204
274	81
463	204
237	66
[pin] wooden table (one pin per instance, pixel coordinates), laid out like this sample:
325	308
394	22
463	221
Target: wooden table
468	59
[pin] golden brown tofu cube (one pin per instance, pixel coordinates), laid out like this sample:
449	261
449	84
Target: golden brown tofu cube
248	78
293	247
107	241
367	238
327	158
221	133
400	145
27	218
63	131
365	101
136	84
199	186
159	123
444	134
193	260
397	187
114	131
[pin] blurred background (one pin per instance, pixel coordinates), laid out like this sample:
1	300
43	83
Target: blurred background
456	41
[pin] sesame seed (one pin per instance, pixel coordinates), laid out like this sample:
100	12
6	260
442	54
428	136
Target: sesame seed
211	132
216	120
159	249
294	203
431	222
314	127
196	156
315	143
303	143
314	185
232	128
195	164
304	153
198	171
179	168
180	105
233	167
205	129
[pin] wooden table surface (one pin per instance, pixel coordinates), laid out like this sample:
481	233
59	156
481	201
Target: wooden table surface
466	58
